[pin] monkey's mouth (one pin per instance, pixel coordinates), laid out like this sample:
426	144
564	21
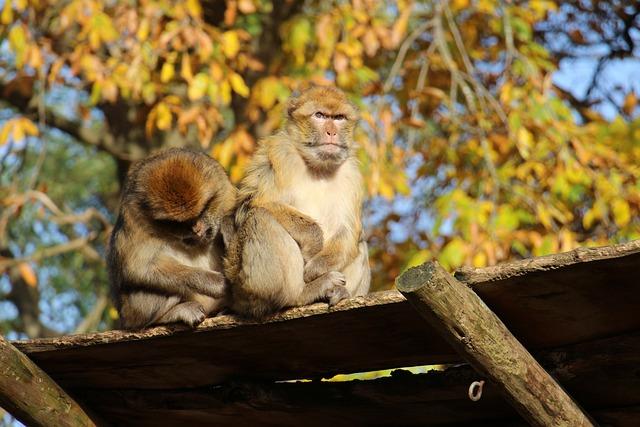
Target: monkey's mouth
329	147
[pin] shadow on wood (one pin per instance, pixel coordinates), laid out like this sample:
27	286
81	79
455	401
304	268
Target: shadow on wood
561	301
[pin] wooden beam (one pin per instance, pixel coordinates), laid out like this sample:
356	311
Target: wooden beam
31	396
600	374
477	334
562	301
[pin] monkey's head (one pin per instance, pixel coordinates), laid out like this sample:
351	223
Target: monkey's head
321	121
185	194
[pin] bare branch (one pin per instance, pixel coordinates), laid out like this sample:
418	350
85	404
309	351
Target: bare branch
47	252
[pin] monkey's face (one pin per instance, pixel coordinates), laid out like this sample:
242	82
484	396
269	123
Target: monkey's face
322	122
196	232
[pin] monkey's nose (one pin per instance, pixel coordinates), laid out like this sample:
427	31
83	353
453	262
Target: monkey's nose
331	133
209	233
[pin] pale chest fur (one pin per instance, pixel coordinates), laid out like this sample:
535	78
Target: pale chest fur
330	202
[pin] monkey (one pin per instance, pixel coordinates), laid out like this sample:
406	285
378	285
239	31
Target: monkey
164	256
298	222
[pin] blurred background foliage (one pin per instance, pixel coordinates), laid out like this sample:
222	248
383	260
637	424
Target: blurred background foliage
484	137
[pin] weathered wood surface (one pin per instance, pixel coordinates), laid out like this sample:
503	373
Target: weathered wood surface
465	322
602	375
567	302
570	297
31	396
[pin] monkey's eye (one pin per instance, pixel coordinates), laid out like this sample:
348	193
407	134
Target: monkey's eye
319	115
339	117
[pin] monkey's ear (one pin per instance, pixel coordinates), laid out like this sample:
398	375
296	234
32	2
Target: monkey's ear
228	230
293	103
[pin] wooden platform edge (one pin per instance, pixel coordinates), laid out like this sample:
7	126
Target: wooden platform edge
478	335
474	276
214	323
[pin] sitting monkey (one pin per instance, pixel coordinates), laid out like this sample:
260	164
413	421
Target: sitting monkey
298	222
165	254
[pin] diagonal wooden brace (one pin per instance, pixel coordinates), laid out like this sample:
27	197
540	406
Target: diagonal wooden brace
479	336
30	395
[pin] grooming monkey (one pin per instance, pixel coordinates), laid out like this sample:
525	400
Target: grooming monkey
298	222
165	254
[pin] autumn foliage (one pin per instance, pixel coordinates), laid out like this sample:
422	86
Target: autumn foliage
471	153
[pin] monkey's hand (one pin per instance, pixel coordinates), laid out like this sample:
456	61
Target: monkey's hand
316	267
210	283
302	228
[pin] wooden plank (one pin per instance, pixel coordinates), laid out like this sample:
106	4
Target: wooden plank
461	317
601	375
565	298
304	342
31	396
567	301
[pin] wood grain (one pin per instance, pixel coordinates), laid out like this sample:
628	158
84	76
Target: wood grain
465	322
31	396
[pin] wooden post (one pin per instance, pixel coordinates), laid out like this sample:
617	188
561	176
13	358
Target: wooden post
477	334
31	396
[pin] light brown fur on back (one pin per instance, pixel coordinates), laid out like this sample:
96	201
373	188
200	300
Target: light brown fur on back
165	254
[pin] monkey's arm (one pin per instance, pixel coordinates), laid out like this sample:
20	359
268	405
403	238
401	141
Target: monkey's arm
165	274
336	254
302	228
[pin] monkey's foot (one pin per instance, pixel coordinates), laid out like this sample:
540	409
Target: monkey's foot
190	313
337	291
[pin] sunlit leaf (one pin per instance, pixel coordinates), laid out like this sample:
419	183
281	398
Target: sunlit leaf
27	274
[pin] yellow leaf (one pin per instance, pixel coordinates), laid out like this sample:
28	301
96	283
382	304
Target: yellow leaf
453	254
525	142
544	216
230	44
27	274
164	117
400	27
480	260
194	8
621	212
29	127
185	70
299	37
18	43
7	13
267	92
4	133
225	92
18	132
386	190
198	86
113	313
239	86
419	258
226	153
143	30
167	72
630	102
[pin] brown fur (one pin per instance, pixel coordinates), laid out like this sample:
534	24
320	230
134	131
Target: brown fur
298	220
165	253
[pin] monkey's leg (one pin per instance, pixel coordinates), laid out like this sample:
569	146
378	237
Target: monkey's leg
358	272
329	286
302	228
190	312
